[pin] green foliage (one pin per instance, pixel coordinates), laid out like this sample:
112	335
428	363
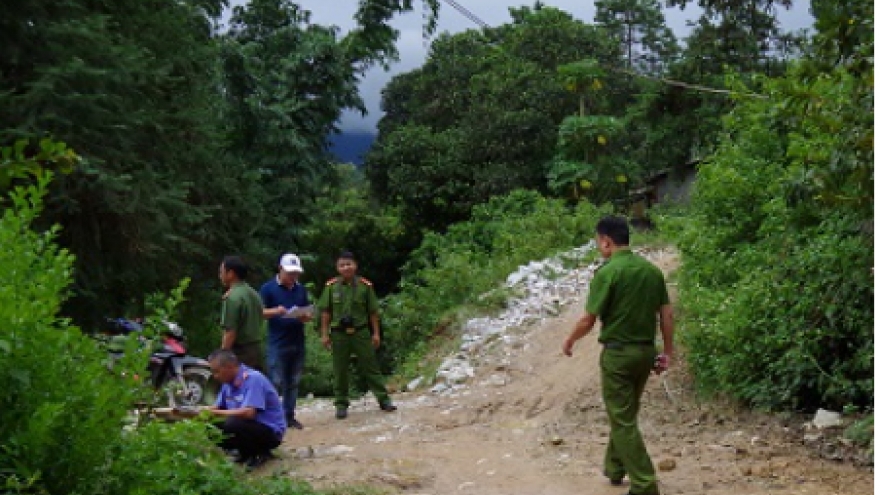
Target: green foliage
777	285
479	118
582	76
49	370
639	26
670	125
862	432
472	258
162	458
346	218
22	160
194	142
585	163
64	416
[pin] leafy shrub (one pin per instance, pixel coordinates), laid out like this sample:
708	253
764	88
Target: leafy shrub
777	287
63	414
60	400
862	432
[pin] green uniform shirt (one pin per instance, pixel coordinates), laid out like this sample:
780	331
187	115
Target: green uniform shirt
626	293
243	312
356	299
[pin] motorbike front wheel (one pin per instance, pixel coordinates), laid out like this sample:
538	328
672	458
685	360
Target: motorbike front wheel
195	387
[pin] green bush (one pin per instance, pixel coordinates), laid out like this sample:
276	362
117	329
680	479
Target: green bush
777	287
64	416
62	409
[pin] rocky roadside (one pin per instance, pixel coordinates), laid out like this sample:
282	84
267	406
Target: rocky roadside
506	414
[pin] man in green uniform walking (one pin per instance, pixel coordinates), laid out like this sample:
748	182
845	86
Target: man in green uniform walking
241	315
350	325
627	294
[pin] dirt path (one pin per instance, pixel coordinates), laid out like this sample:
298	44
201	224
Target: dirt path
532	422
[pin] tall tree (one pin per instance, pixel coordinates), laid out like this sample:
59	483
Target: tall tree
186	137
483	110
739	39
129	86
639	25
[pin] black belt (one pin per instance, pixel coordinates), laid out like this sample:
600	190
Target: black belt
621	345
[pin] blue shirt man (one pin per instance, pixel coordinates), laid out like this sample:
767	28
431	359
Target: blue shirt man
254	419
287	342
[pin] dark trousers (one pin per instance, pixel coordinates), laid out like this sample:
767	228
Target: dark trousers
285	369
248	436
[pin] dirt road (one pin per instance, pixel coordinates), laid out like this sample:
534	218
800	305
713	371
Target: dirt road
532	422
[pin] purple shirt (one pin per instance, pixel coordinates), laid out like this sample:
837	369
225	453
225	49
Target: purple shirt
251	389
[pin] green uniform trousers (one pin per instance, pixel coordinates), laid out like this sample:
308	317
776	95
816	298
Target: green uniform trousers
625	372
360	344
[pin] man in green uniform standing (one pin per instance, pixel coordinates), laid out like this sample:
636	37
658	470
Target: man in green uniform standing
627	294
350	325
241	315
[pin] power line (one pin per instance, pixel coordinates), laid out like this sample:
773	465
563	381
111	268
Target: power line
671	82
680	84
467	13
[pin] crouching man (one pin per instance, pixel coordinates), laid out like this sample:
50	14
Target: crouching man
253	419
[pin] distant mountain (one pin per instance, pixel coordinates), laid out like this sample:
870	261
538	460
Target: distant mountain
350	147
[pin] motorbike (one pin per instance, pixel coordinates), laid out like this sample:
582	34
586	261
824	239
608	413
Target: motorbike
183	380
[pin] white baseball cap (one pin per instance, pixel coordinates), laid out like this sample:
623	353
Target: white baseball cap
290	263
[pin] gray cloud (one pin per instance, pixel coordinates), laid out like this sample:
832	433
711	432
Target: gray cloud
413	47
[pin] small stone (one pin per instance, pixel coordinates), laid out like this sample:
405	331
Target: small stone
666	465
439	388
745	470
414	384
556	440
812	437
340	450
826	419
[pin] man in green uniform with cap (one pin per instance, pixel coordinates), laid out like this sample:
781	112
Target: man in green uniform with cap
627	294
350	325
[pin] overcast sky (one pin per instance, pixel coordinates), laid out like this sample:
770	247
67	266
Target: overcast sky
413	48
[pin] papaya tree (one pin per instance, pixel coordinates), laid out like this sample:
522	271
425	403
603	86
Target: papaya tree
585	163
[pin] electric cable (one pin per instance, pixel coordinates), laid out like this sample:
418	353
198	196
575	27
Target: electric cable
671	82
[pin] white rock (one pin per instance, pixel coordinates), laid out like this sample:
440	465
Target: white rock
339	450
826	419
495	381
812	437
439	388
415	383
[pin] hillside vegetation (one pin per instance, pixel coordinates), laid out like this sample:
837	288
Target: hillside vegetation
128	169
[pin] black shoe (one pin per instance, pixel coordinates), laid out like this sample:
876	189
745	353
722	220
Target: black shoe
238	457
614	480
341	412
257	460
387	407
293	423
